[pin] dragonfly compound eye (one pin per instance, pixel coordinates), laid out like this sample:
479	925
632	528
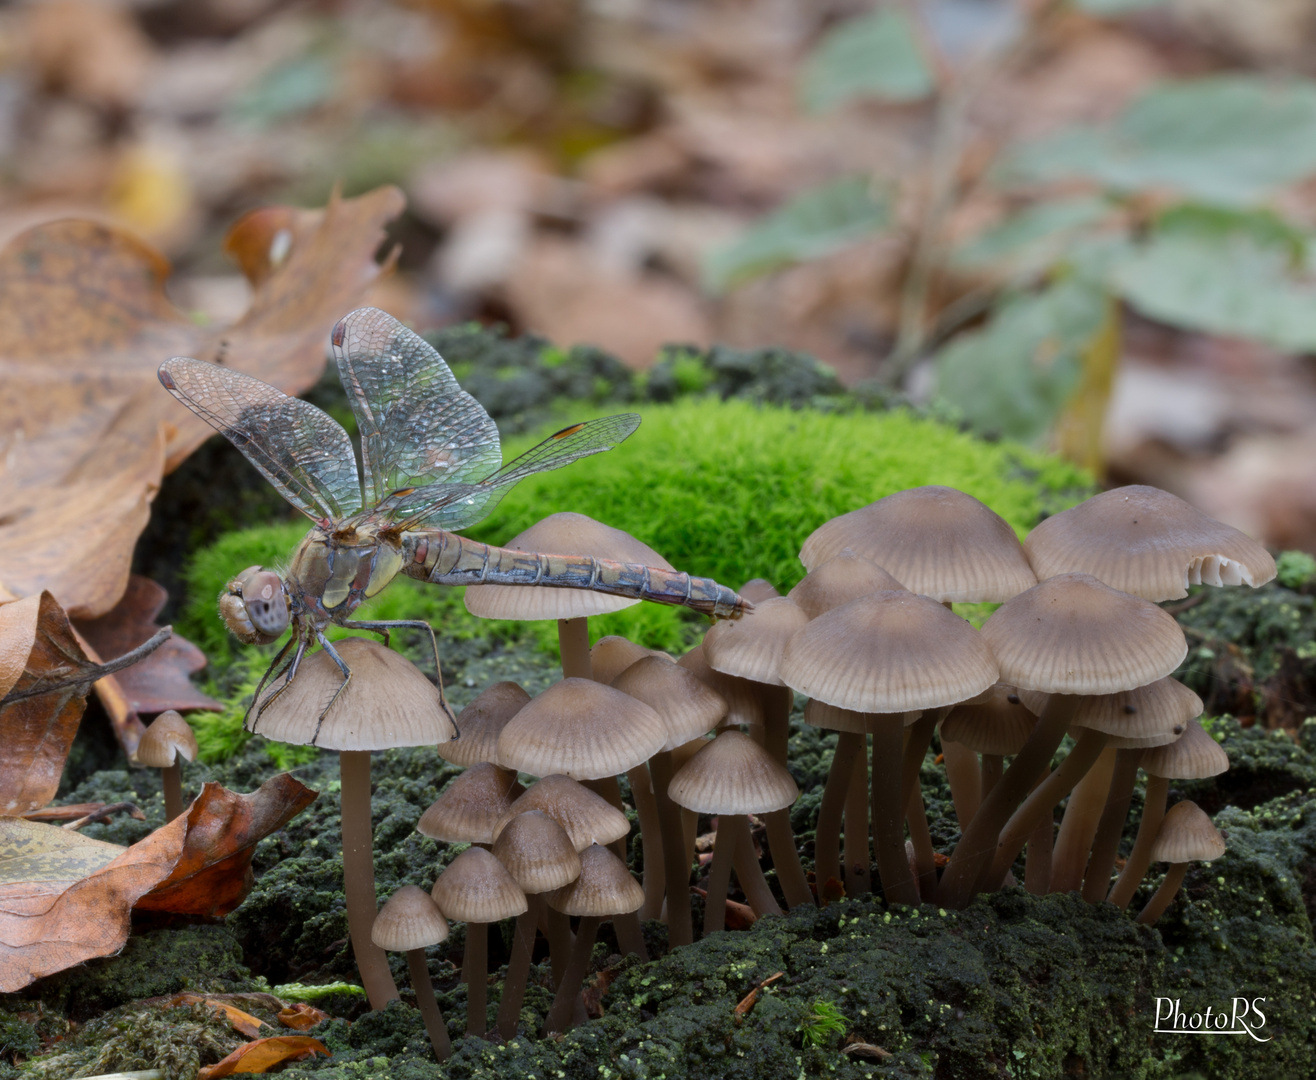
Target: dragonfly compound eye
265	602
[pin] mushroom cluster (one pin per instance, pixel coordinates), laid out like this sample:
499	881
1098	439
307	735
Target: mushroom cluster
1078	647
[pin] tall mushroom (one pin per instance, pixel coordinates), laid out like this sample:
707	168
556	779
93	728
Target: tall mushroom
1186	835
163	744
410	921
388	703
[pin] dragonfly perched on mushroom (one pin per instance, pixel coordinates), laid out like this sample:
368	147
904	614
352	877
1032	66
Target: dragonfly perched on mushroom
432	465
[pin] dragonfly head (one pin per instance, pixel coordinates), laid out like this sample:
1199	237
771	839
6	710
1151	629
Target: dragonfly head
254	606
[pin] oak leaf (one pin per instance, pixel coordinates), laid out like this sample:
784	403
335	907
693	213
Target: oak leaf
85	430
66	898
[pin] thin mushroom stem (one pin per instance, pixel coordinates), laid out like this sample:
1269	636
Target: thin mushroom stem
992	767
630	937
1078	827
719	876
475	974
1040	805
1037	865
559	1016
1163	896
827	833
655	871
777	702
435	1028
518	967
858	854
557	928
573	646
1105	847
359	877
898	884
916	748
978	843
1153	813
680	928
748	870
171	776
965	780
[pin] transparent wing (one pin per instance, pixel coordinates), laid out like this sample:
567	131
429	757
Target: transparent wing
302	451
459	506
418	427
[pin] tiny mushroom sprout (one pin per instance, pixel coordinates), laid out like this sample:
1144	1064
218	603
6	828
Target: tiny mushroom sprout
1194	756
1148	543
889	655
689	709
541	857
1102	725
481	722
604	888
470	807
589	732
733	777
1068	637
410	921
168	739
565	534
1186	835
751	648
475	888
387	703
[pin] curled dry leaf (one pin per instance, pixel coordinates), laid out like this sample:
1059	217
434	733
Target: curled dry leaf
299	1016
242	1022
264	1054
65	898
85	430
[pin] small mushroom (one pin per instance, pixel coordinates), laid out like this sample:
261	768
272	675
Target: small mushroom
1186	835
410	921
167	739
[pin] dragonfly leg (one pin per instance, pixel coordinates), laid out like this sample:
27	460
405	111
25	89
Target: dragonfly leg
332	653
383	627
270	674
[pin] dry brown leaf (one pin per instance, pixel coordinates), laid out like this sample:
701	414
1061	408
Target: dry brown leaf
65	898
86	430
299	1016
748	1002
263	1054
242	1022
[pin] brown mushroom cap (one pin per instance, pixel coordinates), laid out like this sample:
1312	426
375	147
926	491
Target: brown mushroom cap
537	852
612	655
481	722
756	590
733	774
587	818
839	580
477	888
581	729
990	723
744	705
562	534
750	647
168	738
1159	711
409	920
1148	543
1187	835
934	540
687	706
605	887
471	805
889	652
1073	635
1193	756
387	703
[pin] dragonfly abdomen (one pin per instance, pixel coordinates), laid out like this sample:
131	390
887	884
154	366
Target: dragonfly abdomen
443	558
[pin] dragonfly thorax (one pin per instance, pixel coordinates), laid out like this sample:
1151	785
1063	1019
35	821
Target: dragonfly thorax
330	578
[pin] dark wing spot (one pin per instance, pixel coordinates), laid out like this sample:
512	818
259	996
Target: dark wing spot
566	431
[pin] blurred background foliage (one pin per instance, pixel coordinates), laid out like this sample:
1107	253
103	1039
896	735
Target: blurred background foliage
1081	224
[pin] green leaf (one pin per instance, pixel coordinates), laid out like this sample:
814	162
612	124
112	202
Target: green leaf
1232	284
1012	377
819	222
875	56
1229	140
1034	238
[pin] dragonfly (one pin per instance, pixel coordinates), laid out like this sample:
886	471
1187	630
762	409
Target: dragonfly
432	465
